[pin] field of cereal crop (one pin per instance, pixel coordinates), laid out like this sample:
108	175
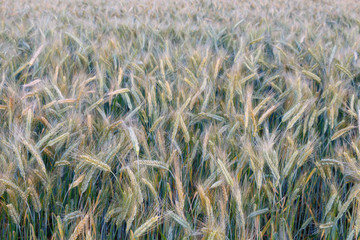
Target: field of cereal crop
178	119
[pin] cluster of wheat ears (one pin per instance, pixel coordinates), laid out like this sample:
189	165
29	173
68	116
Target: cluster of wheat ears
179	119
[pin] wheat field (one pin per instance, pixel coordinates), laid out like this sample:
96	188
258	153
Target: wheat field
179	119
